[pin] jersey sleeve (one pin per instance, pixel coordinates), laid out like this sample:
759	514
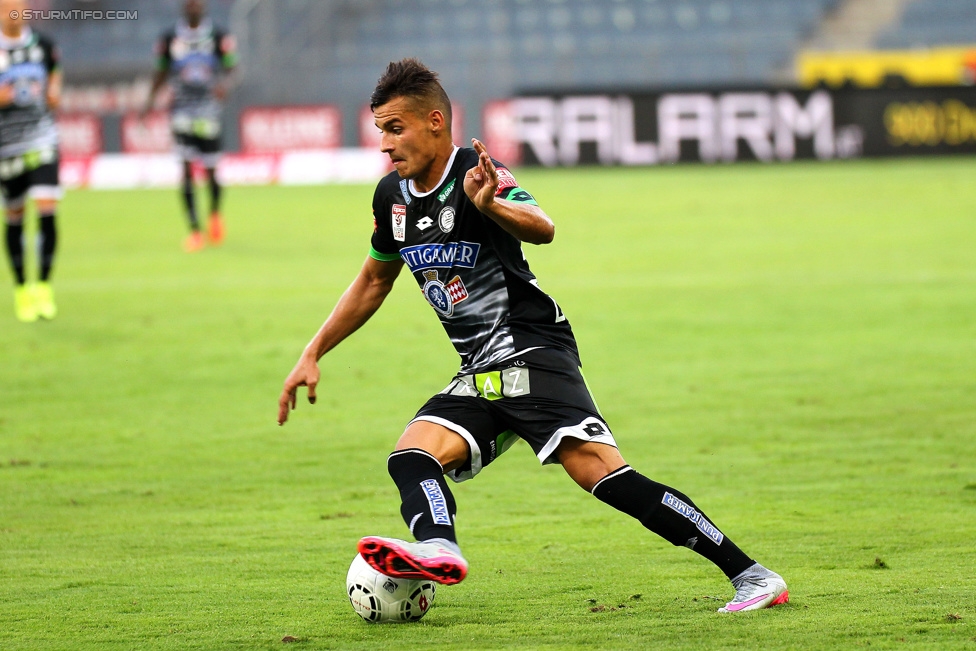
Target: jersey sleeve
508	187
162	49
382	246
52	56
226	50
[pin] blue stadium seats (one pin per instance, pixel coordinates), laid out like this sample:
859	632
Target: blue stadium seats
928	23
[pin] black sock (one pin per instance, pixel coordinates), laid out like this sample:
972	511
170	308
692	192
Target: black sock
427	506
15	250
191	209
214	191
47	245
671	515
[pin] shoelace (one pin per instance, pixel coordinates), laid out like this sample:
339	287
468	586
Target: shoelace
759	582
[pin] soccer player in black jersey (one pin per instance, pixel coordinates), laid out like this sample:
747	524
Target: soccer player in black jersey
30	91
457	220
196	59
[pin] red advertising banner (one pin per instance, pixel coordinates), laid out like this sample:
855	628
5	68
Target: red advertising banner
80	134
269	130
500	131
146	136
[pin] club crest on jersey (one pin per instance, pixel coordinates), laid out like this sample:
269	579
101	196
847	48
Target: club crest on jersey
443	297
446	219
399	221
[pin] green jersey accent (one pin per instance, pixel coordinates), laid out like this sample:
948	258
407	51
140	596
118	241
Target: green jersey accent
518	195
383	257
446	192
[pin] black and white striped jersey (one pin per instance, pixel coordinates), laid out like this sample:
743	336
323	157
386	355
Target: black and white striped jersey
27	123
471	272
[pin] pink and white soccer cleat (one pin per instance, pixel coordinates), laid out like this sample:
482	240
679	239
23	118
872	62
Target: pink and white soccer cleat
420	560
757	588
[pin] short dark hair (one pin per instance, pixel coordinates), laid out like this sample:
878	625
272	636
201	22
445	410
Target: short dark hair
411	79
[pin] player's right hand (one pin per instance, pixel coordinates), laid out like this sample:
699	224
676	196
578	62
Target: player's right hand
305	374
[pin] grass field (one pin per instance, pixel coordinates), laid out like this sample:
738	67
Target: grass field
794	346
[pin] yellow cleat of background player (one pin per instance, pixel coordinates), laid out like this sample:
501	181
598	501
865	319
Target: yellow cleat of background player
44	301
24	304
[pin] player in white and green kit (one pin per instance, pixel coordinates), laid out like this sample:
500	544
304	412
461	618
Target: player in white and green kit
456	220
196	59
30	91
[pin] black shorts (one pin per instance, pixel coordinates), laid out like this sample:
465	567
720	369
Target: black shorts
192	147
35	169
540	396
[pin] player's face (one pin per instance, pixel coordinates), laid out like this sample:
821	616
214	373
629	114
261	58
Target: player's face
9	6
194	10
408	137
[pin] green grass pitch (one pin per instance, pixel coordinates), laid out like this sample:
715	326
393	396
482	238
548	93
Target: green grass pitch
794	346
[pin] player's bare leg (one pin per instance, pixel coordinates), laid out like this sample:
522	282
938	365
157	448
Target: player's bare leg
601	470
423	454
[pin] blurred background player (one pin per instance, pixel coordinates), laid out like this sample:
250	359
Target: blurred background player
30	90
196	59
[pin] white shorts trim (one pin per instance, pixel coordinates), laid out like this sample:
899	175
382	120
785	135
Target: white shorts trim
192	154
547	454
42	192
466	435
55	192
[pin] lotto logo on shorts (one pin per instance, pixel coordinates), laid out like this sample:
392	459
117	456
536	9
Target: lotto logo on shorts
438	505
689	512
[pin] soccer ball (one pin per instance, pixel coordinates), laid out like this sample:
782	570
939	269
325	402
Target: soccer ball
378	598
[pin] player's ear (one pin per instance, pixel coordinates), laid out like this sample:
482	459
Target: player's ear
436	121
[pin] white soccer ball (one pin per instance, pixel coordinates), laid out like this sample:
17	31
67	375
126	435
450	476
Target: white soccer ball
377	597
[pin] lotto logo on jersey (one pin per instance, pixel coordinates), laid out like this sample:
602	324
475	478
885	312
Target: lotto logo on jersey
505	180
399	221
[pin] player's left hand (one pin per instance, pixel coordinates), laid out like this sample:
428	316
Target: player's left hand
481	181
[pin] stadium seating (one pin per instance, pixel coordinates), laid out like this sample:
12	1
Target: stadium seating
115	50
624	41
314	51
927	23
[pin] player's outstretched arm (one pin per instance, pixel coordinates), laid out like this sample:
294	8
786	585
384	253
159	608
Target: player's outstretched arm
526	222
358	303
54	84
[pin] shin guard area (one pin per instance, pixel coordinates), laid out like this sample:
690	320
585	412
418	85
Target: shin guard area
670	514
47	245
189	204
215	189
427	505
14	239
